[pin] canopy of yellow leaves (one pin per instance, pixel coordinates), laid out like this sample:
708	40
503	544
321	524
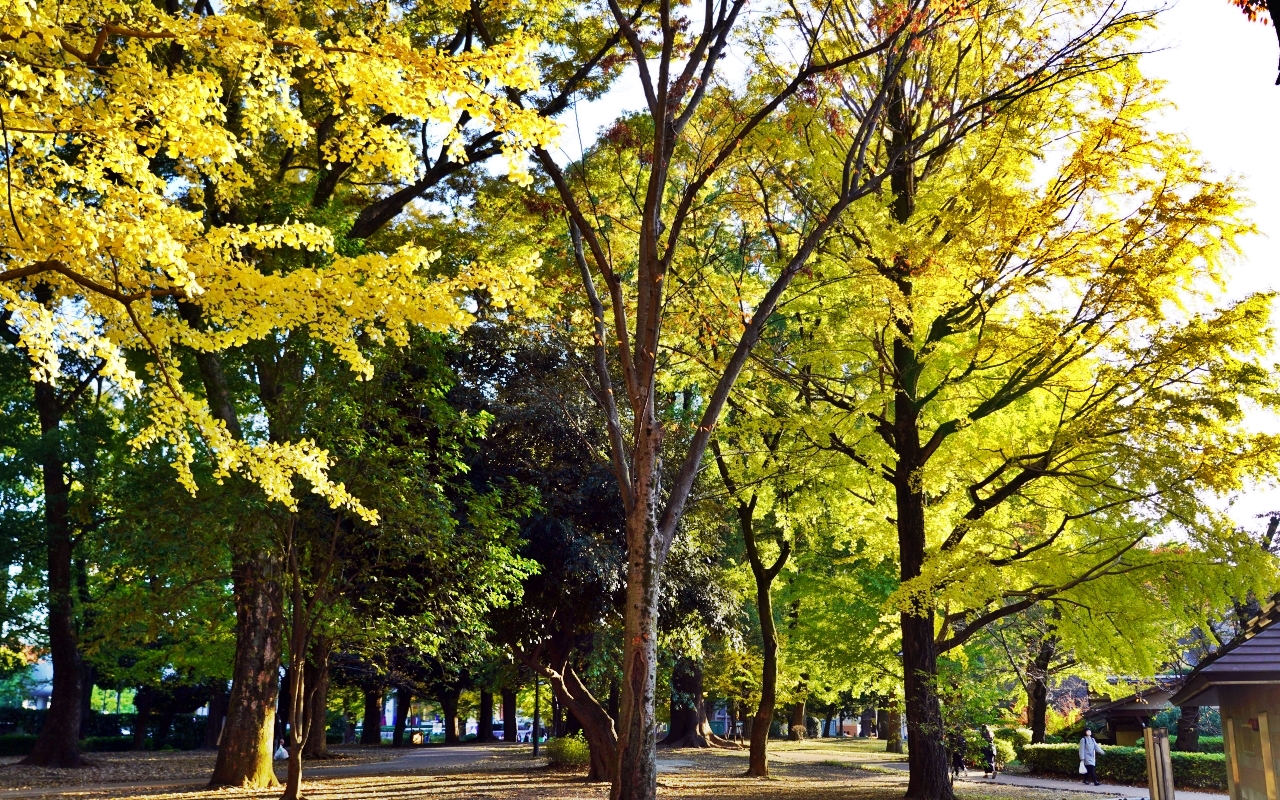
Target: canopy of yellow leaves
124	126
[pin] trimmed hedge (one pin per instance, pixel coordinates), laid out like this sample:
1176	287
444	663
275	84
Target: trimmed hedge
1206	744
1128	765
21	744
16	744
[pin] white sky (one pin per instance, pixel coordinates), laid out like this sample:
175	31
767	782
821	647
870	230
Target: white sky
1219	71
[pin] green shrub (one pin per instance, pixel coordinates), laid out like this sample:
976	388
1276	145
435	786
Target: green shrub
1005	751
107	744
17	744
1019	737
1128	765
568	751
1207	744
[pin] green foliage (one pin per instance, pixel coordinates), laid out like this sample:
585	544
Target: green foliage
568	751
1018	737
1128	765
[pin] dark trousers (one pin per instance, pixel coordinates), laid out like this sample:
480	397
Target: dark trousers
1090	773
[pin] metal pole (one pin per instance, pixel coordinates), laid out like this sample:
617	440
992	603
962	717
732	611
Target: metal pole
536	702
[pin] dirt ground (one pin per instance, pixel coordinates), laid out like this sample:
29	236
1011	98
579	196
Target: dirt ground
158	767
808	771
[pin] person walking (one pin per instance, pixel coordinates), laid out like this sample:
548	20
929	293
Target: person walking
1089	752
989	753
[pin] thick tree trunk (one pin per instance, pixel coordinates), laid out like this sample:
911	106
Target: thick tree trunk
509	722
557	718
217	713
1038	688
142	702
686	697
403	699
449	708
58	742
893	736
597	725
690	725
1188	730
317	744
796	731
244	757
484	725
371	733
826	725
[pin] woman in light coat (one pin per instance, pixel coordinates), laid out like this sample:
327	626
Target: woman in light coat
1089	752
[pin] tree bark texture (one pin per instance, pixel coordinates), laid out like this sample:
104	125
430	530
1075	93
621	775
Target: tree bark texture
509	722
637	771
58	742
244	756
371	733
484	725
1188	730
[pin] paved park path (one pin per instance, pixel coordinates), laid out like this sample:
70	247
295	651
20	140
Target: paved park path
413	759
1113	790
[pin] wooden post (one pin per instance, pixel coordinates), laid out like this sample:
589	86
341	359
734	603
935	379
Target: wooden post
1233	760
1268	761
1159	764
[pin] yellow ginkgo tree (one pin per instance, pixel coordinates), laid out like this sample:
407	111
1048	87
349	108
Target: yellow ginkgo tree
137	141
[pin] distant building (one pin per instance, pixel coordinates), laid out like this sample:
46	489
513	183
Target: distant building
39	685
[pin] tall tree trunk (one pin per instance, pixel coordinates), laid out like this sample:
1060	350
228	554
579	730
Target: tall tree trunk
449	708
317	744
893	736
757	727
142	702
637	772
484	725
58	742
796	731
403	700
371	733
1038	688
826	724
1188	730
217	713
509	722
557	718
299	645
244	757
